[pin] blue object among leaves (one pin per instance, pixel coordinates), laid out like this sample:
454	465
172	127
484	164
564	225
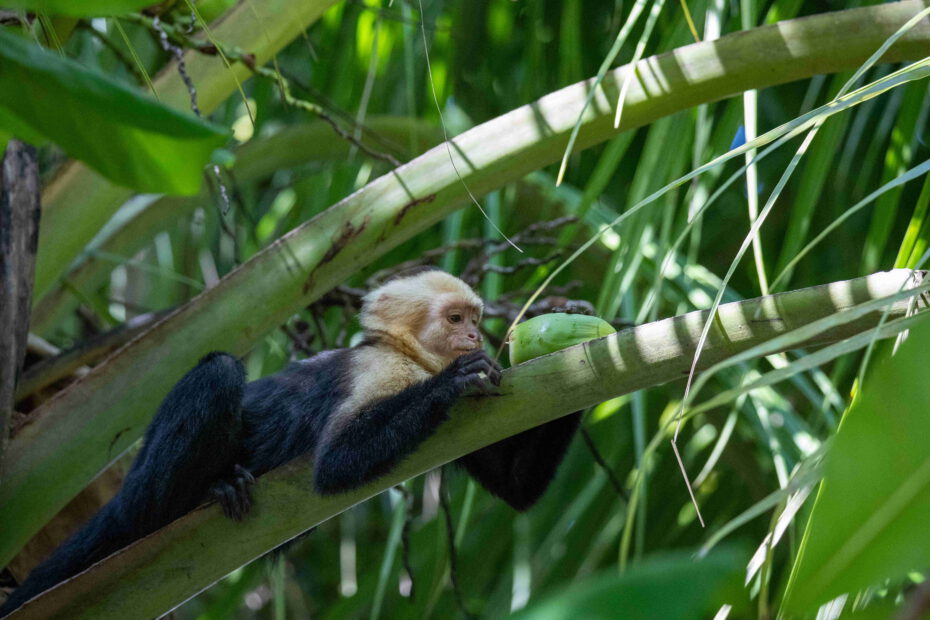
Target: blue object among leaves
739	139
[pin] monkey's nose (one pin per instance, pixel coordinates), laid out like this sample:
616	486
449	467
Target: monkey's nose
476	336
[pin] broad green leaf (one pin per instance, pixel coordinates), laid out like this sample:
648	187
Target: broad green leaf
669	587
77	204
870	520
124	135
80	8
10	124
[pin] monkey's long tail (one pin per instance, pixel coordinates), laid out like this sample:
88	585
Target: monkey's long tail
101	536
190	444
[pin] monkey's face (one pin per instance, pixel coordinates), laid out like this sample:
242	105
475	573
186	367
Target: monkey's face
453	330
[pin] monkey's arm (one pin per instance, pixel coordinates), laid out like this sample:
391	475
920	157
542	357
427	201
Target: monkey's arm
376	438
519	469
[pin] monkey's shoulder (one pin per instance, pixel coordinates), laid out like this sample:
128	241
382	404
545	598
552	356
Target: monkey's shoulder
379	371
335	379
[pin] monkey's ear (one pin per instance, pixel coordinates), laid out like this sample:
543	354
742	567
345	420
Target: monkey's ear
380	302
376	310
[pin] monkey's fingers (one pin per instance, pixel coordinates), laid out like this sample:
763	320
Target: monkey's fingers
242	481
484	382
491	377
478	365
224	494
242	472
243	496
484	363
478	383
479	355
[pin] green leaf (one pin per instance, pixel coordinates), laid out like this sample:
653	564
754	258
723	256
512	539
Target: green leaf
10	124
127	137
79	8
669	587
76	205
870	520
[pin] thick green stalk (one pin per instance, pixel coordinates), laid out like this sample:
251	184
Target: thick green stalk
158	573
84	428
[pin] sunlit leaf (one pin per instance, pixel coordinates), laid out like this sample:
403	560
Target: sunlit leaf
126	136
870	520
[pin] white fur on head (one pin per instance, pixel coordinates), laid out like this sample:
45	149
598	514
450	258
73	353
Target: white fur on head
400	308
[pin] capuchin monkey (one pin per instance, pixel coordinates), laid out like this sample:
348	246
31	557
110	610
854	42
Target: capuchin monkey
358	411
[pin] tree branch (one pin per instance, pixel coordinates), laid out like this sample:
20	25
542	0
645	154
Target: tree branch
42	374
19	230
158	573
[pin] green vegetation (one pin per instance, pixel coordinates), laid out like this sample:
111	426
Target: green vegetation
751	444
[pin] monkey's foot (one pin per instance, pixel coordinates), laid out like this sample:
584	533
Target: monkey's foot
233	493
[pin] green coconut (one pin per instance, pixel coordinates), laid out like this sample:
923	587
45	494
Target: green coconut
553	332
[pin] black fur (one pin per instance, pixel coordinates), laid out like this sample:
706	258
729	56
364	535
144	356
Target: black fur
189	446
213	433
381	435
285	413
519	469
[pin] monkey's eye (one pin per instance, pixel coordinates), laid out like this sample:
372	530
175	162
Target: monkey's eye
455	318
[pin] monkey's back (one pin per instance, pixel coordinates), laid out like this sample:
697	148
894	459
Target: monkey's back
284	413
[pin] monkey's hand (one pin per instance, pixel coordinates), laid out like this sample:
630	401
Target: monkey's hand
475	370
233	493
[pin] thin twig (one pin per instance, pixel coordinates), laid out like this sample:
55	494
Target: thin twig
599	459
334	110
223	196
684	473
170	35
320	328
405	537
178	55
320	113
450	536
300	342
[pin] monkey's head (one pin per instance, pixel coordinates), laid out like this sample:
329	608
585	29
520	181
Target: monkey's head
431	315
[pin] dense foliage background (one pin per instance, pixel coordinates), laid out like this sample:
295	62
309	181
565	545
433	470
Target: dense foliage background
373	83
